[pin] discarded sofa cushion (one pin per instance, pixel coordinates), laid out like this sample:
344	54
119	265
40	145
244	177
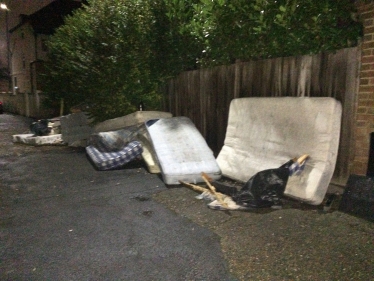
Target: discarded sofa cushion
181	150
263	132
116	159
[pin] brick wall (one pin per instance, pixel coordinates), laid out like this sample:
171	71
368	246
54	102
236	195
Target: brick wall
4	85
365	98
28	105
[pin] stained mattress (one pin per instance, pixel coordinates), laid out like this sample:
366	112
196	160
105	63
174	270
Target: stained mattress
107	160
114	141
263	133
181	150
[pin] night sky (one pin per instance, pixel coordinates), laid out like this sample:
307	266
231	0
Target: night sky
16	7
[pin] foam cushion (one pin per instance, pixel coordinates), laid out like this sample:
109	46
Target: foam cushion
264	133
181	150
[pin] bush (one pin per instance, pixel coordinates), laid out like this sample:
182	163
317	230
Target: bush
245	30
102	56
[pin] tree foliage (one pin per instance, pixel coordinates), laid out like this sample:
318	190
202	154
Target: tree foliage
102	55
113	54
241	29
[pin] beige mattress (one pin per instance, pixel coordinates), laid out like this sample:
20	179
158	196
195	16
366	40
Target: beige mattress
263	133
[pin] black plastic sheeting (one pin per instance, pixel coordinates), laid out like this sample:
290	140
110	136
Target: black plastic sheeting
40	128
264	189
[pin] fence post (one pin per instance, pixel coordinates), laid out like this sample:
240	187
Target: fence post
237	79
61	107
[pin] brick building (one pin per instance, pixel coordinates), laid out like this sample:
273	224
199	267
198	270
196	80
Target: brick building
28	46
365	96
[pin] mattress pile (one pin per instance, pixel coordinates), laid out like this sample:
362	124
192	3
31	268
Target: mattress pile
172	146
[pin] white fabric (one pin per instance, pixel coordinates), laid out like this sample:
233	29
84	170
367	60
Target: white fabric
38	140
217	205
181	150
264	133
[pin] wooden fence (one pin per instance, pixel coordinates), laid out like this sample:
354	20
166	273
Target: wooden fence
205	95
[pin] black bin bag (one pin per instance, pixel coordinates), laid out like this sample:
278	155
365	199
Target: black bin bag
40	128
265	188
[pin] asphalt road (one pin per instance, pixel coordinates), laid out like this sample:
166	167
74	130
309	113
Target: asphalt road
63	220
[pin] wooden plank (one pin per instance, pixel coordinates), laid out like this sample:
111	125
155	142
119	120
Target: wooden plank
315	87
303	85
277	78
348	99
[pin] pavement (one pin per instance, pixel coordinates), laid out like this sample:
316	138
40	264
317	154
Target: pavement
60	219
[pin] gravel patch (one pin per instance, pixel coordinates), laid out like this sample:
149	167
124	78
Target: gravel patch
298	242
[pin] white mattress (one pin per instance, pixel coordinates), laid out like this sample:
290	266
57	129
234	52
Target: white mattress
181	150
264	133
38	140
